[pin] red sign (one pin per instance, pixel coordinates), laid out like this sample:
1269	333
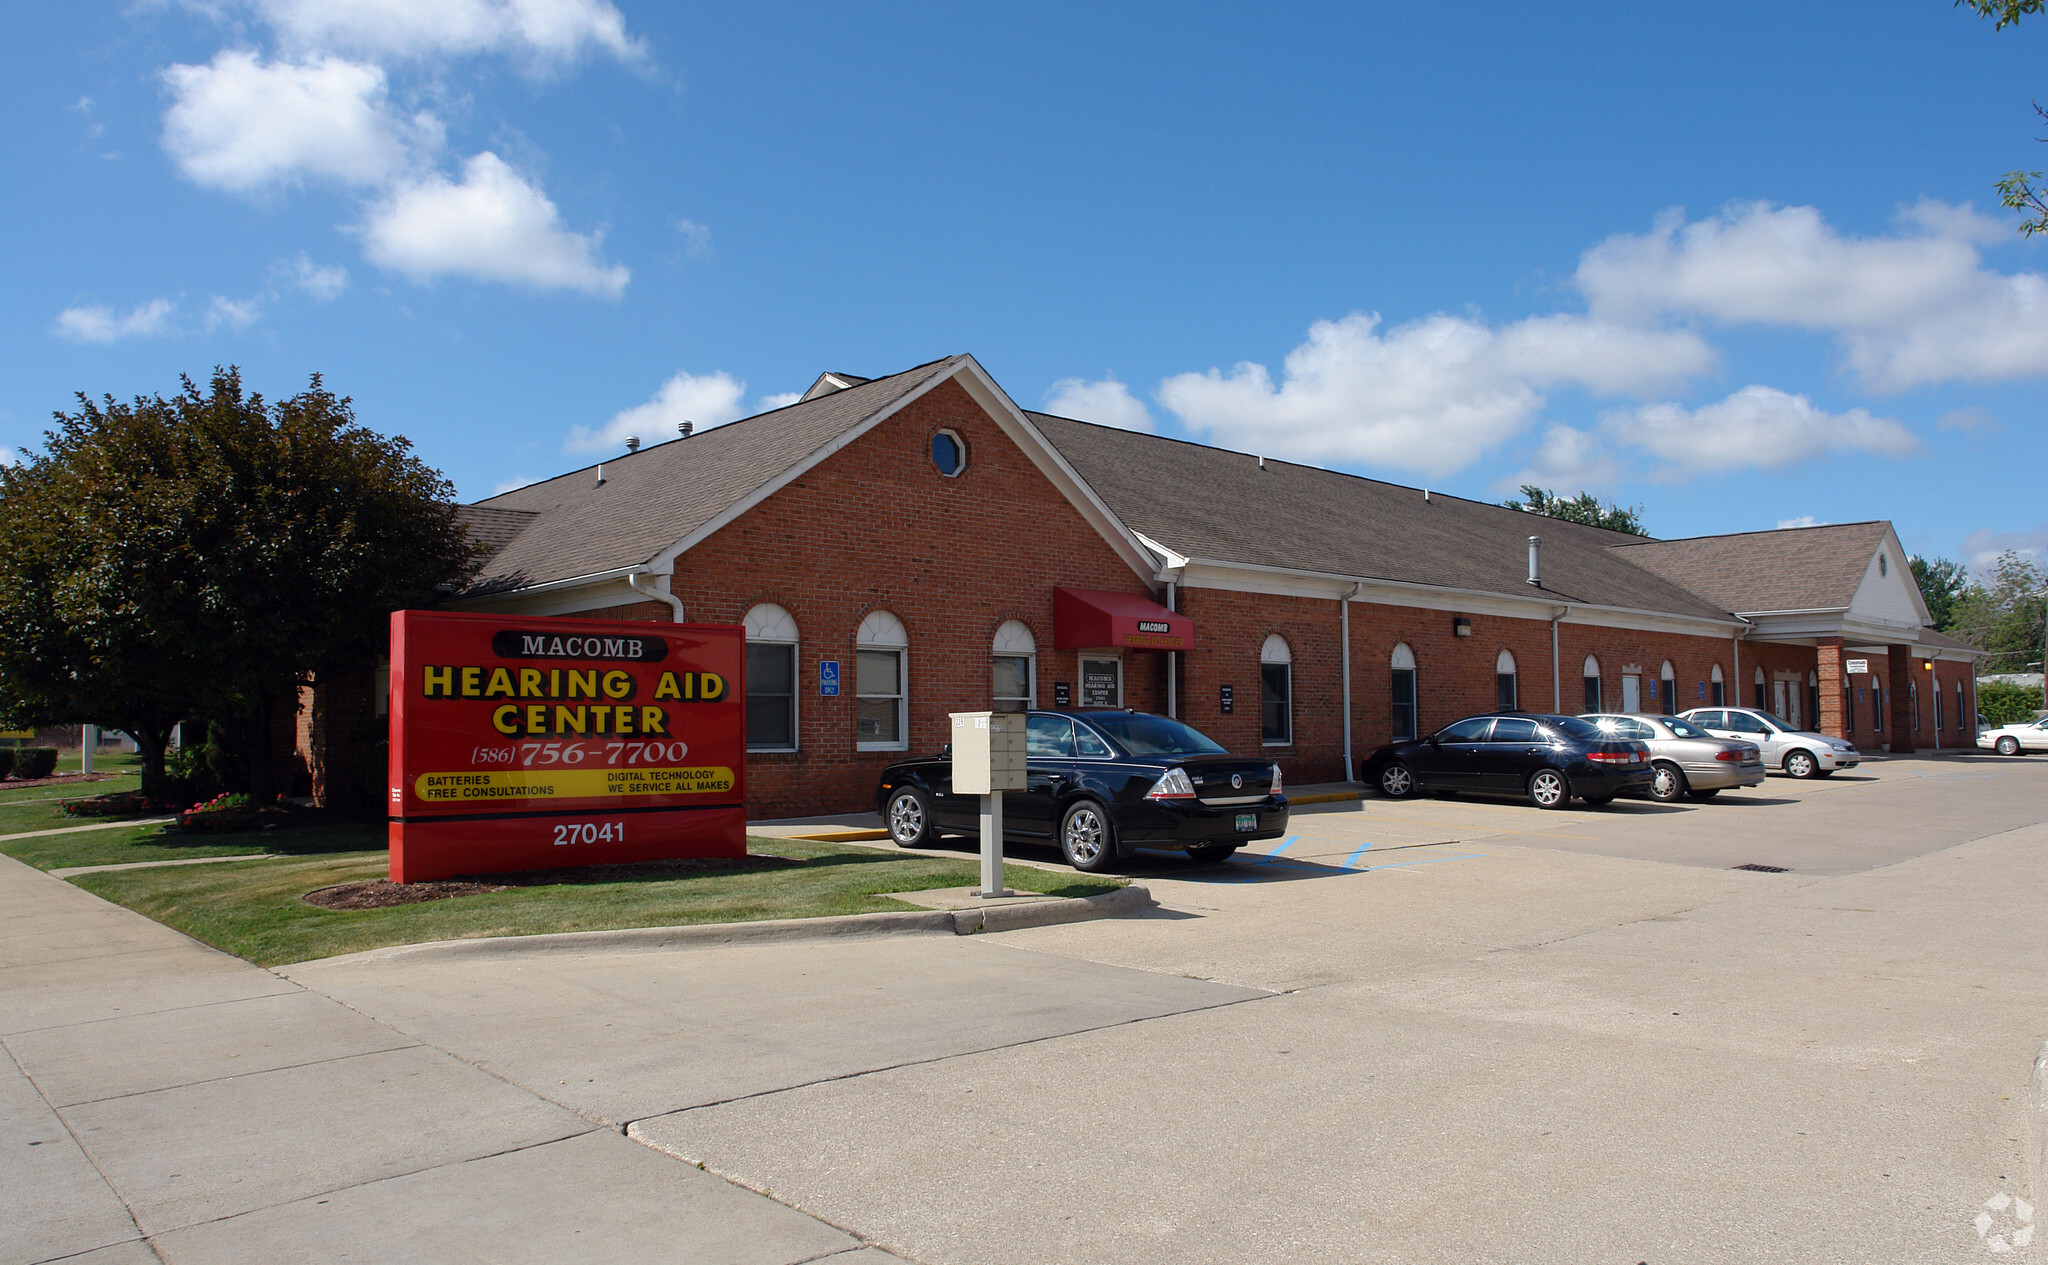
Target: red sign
530	744
1089	619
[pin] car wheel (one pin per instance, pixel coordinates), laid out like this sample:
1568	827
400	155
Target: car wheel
1548	789
1085	838
1666	782
1211	853
1397	781
2008	745
1704	796
1801	764
909	818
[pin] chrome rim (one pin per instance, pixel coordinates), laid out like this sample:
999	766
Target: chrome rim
2008	746
1546	789
906	818
1395	780
1084	836
1666	784
1799	764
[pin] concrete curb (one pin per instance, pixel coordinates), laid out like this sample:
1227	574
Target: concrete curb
2037	1127
1126	900
1326	797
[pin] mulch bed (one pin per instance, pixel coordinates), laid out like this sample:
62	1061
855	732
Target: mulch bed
383	893
58	779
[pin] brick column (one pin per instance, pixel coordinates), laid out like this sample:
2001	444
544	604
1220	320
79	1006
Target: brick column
1898	682
1834	705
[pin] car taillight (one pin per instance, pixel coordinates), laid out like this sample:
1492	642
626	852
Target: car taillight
1730	757
1276	779
1617	757
1174	785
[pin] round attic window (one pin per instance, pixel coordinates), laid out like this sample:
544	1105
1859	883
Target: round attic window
949	453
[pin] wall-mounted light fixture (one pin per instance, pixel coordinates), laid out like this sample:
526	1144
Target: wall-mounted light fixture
1461	626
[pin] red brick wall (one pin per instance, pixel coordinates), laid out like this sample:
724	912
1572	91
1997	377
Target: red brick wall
1230	632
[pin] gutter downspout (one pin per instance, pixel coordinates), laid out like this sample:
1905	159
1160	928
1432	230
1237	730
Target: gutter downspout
1556	685
675	603
1172	663
1735	649
1344	657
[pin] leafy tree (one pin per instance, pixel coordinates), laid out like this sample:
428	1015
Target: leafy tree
2017	190
1941	583
212	552
2004	614
2004	702
1583	508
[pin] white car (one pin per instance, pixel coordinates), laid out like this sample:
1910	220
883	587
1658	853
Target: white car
2021	735
1799	752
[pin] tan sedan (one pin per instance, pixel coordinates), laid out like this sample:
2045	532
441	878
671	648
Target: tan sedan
1684	758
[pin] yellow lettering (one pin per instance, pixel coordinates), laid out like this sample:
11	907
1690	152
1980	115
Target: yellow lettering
712	687
618	684
583	684
529	683
536	718
437	682
506	720
570	719
664	688
472	682
554	683
653	721
622	721
600	718
501	684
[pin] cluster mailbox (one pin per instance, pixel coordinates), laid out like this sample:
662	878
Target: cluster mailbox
988	752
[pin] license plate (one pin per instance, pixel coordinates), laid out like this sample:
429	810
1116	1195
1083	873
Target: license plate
1247	821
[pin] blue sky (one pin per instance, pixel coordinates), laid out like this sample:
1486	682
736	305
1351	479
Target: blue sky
1739	263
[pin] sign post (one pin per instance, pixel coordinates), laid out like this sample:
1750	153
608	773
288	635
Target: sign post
988	759
530	744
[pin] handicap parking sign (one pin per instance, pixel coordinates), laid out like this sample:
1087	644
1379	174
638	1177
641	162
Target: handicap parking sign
828	678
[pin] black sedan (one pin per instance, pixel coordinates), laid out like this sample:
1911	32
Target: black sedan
1547	759
1100	784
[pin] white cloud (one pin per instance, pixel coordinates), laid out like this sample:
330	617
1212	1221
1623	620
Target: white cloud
323	281
244	125
9	457
708	400
545	30
1982	547
1908	309
781	399
493	226
1107	402
1570	461
696	238
99	324
1971	421
234	313
1757	427
1804	520
1430	396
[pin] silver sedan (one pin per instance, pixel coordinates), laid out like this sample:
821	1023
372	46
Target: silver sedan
1686	759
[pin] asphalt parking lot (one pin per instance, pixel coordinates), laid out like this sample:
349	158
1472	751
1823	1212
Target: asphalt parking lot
1439	1030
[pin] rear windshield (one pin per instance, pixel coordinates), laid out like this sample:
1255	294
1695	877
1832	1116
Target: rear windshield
1685	728
1153	735
1581	730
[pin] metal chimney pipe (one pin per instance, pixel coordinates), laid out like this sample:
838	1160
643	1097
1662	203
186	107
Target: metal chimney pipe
684	428
1535	572
632	443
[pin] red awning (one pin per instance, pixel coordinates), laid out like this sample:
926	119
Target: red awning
1088	619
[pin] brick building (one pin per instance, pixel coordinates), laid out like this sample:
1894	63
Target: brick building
908	546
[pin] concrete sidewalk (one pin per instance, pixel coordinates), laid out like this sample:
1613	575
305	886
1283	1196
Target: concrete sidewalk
164	1101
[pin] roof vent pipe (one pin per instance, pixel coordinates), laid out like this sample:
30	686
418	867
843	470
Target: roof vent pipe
1262	463
632	443
684	428
1535	573
600	474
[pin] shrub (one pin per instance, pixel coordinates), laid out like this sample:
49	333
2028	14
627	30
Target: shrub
2004	702
6	761
34	762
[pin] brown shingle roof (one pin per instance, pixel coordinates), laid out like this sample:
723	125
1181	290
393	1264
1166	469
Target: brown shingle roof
655	497
1792	569
493	528
1211	503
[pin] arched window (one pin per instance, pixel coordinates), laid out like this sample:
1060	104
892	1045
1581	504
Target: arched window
1276	692
1406	718
1504	691
881	716
1667	687
771	679
1592	674
1015	667
1763	701
1718	689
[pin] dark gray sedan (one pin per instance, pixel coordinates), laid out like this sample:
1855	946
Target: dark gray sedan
1684	758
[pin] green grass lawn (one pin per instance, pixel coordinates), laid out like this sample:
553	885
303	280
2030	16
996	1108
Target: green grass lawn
40	807
254	908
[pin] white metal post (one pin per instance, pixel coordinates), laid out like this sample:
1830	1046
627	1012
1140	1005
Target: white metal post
992	846
88	738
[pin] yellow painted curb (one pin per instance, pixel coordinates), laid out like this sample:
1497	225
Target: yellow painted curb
1326	797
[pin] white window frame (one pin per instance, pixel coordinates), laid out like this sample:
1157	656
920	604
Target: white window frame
1403	660
1504	666
1667	688
883	632
1014	640
768	624
1275	652
1591	672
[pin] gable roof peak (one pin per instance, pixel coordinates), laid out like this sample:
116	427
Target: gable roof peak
829	382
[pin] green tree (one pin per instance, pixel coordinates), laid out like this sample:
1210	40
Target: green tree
1583	508
2004	614
215	552
2004	702
2017	190
1941	583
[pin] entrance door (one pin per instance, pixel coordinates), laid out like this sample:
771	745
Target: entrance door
1631	693
1102	682
1778	696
